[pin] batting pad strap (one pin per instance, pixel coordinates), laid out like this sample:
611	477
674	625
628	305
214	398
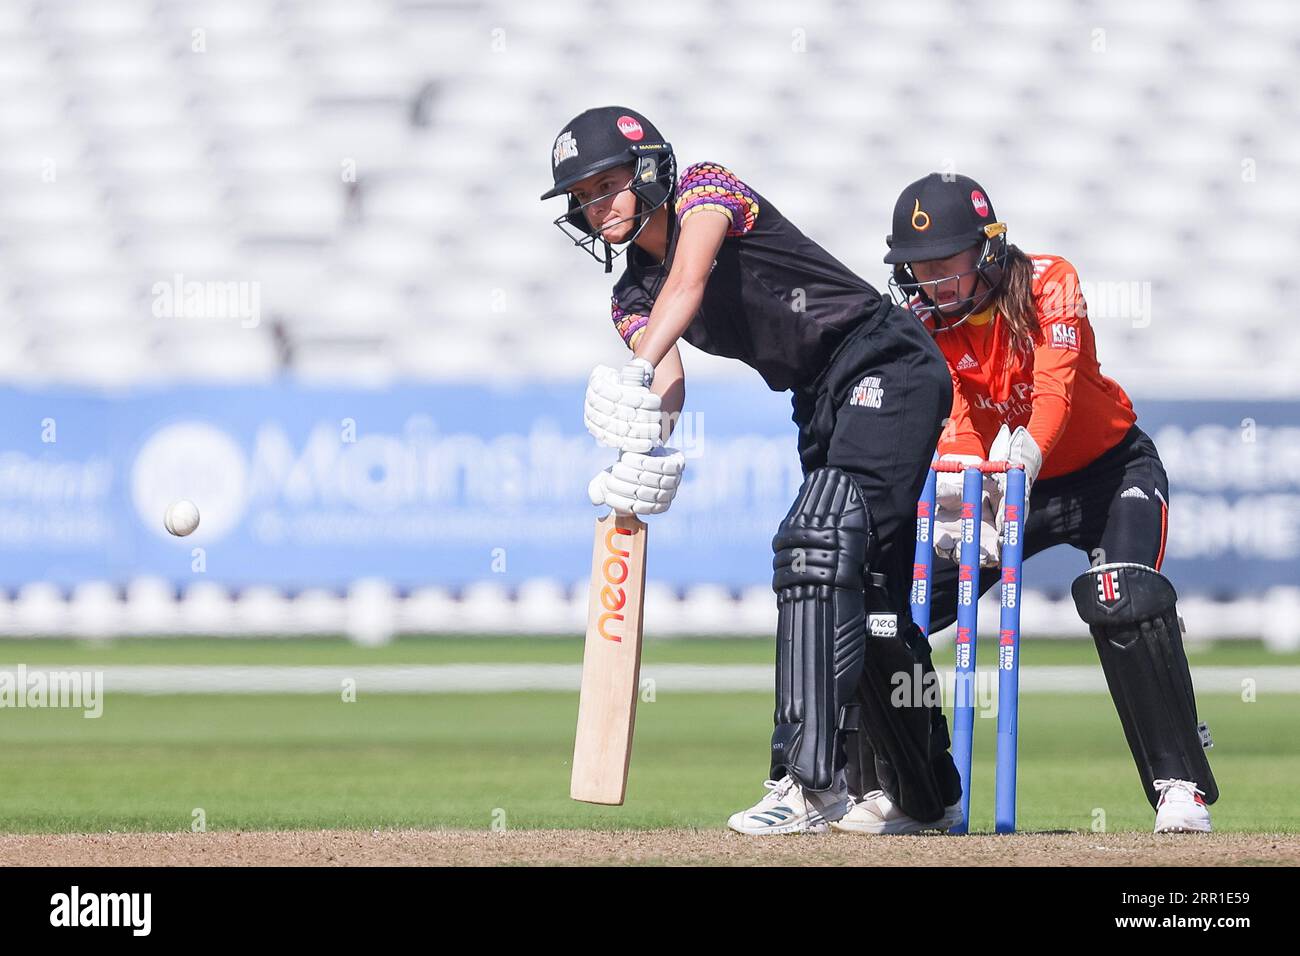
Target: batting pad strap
850	717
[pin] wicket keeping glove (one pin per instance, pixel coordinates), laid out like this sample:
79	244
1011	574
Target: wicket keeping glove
1017	448
948	492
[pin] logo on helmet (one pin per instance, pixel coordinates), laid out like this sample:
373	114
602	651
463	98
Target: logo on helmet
920	218
980	203
566	147
630	128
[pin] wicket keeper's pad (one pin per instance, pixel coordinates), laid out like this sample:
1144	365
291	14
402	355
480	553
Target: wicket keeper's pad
820	569
1132	612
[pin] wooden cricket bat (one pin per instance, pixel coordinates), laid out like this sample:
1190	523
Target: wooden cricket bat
611	661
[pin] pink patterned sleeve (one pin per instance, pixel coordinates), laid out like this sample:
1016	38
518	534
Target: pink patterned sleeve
629	325
710	186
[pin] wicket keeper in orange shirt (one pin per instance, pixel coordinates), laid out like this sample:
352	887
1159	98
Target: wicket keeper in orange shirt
1027	388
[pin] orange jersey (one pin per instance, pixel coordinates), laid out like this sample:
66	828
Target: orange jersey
1057	390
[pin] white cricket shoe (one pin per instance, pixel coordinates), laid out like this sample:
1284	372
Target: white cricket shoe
1180	808
876	813
786	808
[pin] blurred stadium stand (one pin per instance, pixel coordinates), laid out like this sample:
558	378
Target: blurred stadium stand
375	164
372	612
1124	150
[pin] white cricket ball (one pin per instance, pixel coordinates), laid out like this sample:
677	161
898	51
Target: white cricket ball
182	517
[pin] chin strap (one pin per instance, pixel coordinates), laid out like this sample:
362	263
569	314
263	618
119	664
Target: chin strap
942	323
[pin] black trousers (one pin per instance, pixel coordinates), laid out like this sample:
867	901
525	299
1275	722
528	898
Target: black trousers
1113	509
876	413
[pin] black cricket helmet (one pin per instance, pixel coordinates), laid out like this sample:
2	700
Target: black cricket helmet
937	217
601	139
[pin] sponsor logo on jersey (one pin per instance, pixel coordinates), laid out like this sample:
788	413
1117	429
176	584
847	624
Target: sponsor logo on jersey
630	128
967	362
1017	403
566	147
868	393
1134	492
1065	337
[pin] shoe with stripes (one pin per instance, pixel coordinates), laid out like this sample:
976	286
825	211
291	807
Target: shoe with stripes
786	808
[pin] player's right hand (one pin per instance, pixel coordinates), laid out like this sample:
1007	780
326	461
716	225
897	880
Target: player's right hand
639	484
1019	448
948	486
947	537
948	491
621	413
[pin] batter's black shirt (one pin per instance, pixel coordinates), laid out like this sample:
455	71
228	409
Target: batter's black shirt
775	299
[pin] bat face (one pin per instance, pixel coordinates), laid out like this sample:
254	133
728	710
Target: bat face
611	661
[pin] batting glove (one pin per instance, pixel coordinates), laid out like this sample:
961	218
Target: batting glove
620	411
641	484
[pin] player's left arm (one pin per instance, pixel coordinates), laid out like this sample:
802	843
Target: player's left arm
1063	324
712	204
675	306
670	386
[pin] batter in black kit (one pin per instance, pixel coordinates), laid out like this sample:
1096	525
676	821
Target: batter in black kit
876	413
712	261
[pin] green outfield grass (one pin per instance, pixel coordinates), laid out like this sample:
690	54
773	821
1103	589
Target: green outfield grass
507	650
468	760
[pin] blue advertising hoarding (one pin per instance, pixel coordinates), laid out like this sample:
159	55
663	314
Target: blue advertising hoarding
447	484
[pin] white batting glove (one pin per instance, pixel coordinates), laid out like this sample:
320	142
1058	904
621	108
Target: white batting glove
641	484
620	411
637	371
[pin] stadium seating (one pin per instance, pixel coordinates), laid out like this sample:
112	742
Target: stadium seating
221	140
